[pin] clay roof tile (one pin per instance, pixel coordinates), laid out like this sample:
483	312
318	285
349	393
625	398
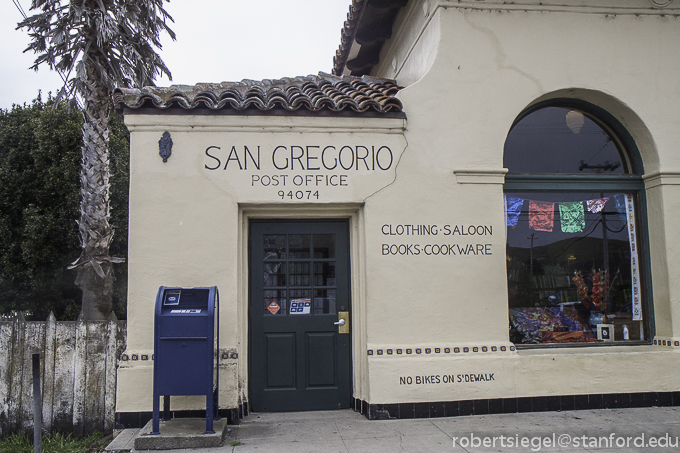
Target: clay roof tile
313	93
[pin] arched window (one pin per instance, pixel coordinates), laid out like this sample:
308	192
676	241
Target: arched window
574	195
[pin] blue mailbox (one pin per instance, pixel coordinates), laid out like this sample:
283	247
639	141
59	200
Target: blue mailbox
186	347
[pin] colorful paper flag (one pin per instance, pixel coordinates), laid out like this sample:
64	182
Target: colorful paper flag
572	217
597	204
513	208
541	215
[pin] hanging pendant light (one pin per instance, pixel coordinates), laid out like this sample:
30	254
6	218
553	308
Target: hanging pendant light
575	121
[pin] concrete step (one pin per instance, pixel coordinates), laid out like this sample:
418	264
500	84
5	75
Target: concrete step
180	433
124	441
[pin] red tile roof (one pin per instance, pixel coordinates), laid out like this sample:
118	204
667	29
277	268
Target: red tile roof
313	93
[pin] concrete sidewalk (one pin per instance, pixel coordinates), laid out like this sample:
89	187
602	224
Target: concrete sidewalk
345	431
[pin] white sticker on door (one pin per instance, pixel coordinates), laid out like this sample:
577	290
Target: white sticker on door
300	306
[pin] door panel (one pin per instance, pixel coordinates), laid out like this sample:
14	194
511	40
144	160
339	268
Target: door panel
320	346
280	356
299	281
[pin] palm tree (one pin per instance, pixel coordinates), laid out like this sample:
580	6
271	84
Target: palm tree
98	44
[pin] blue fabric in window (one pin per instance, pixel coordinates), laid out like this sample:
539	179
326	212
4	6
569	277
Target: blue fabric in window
513	209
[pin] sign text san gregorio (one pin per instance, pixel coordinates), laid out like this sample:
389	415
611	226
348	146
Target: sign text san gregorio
301	169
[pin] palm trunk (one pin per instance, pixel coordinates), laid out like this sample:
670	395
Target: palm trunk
95	272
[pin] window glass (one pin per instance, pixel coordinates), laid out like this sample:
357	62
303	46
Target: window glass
274	274
298	273
324	274
561	140
324	301
569	267
574	273
299	245
324	246
274	246
297	281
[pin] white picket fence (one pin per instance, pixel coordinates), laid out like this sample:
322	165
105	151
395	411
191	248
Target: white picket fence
78	374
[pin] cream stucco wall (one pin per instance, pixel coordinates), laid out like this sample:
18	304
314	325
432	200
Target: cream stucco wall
470	68
492	62
189	218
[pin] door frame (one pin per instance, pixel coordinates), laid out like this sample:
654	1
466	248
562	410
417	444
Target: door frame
353	213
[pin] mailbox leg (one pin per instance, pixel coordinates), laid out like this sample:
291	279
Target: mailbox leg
216	406
216	392
166	408
209	414
155	425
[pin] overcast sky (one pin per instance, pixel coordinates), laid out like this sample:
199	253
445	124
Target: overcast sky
217	40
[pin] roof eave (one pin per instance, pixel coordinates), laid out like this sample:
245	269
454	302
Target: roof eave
369	24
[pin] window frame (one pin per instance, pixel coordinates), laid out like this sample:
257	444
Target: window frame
631	182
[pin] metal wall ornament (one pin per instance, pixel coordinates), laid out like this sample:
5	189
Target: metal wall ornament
165	146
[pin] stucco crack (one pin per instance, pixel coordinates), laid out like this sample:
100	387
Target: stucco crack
500	55
396	169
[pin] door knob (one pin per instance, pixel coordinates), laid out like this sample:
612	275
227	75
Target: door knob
341	322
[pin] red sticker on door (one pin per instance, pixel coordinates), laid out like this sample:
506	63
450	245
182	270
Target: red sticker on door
273	308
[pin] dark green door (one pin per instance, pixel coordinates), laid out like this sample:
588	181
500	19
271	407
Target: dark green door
299	290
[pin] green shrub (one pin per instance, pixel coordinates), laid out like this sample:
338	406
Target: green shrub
40	155
53	443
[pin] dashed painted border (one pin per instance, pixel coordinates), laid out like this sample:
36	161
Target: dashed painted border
225	354
439	350
473	349
674	343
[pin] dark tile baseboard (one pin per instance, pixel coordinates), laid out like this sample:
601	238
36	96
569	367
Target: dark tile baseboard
451	408
515	405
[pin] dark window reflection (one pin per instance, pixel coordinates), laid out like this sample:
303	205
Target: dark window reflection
561	140
298	273
324	246
324	274
324	301
583	241
298	246
290	288
274	246
274	274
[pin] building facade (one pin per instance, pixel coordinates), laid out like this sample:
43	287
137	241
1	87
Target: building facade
473	215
